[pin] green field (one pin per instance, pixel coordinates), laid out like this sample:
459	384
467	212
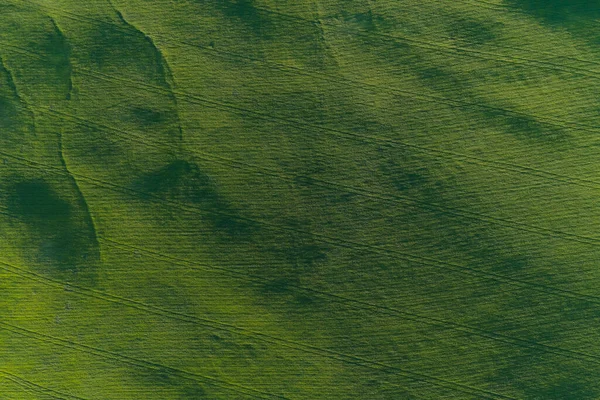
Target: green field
242	199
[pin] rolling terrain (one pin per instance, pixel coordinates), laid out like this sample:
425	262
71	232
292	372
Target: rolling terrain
247	199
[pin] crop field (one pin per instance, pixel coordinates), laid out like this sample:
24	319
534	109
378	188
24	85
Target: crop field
261	199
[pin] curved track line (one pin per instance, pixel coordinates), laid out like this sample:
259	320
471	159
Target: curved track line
29	386
229	385
353	303
342	243
397	199
451	102
109	355
497	164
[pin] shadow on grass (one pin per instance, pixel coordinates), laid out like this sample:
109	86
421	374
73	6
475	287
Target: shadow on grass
185	182
246	12
579	18
559	11
61	234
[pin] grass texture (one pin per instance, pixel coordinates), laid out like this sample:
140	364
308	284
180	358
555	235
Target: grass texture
255	199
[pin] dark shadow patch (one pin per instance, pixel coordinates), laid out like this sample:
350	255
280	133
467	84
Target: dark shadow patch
298	248
540	377
405	172
395	52
35	200
296	253
62	239
289	290
367	21
164	378
280	285
185	182
57	50
440	79
95	146
179	180
8	113
303	300
16	117
119	46
526	126
579	18
193	392
47	76
147	116
511	264
472	31
246	12
559	11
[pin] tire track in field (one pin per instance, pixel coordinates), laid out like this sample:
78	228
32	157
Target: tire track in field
348	301
139	363
498	164
196	99
425	44
345	300
30	386
12	84
341	133
87	215
291	178
88	292
511	9
458	50
229	385
395	91
421	96
162	60
342	243
365	305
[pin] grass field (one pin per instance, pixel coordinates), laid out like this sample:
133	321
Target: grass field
243	199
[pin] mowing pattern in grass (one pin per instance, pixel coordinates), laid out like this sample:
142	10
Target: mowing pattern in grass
310	200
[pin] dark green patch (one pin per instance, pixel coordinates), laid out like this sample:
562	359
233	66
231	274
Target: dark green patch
61	237
147	116
57	51
179	180
119	46
528	127
193	392
540	377
96	146
440	78
280	285
367	21
579	18
8	113
245	11
512	264
471	31
8	99
559	11
185	182
163	377
404	171
36	201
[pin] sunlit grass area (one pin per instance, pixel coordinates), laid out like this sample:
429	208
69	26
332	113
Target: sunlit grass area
299	200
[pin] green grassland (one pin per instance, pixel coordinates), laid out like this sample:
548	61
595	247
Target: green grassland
244	199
